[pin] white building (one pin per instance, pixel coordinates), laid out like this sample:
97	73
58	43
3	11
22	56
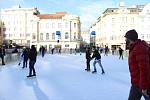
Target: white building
112	25
59	30
26	26
17	21
85	36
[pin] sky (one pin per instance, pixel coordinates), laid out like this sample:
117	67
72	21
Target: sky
88	10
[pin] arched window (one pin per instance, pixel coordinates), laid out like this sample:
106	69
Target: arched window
74	35
33	36
53	36
66	35
47	36
41	36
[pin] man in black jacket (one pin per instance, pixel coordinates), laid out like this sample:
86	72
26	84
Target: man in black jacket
2	54
88	58
97	57
32	60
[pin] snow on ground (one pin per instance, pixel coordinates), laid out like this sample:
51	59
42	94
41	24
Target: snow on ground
62	77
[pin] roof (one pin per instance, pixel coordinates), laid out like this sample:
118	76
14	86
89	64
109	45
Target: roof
57	15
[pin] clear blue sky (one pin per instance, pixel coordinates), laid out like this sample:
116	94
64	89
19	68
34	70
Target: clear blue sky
88	10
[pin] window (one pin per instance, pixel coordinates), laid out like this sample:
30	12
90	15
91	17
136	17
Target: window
33	36
75	25
59	36
41	36
47	36
66	25
47	25
59	25
53	25
74	35
53	36
148	36
132	20
67	45
124	19
142	36
66	35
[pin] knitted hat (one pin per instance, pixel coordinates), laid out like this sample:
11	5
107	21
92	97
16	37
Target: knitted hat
132	35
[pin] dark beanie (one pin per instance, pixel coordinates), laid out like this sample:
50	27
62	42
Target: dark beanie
132	35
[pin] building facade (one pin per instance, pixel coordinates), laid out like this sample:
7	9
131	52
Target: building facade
59	30
112	25
17	21
26	26
2	31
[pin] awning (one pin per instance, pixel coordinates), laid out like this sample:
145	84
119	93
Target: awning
93	33
58	33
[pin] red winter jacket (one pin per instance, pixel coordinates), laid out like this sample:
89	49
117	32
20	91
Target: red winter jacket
139	64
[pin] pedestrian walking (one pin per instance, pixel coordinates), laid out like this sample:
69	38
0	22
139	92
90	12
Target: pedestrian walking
88	59
52	50
97	59
139	66
43	51
106	51
120	53
32	61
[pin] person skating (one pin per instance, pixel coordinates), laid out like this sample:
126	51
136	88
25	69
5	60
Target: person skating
97	59
88	58
25	57
32	61
139	66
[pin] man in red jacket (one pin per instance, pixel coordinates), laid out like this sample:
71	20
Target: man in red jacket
139	66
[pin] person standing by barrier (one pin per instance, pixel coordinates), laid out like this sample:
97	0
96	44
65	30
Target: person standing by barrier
32	61
2	54
139	66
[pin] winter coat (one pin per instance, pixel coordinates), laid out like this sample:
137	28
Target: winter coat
25	55
139	64
96	55
2	52
32	54
88	55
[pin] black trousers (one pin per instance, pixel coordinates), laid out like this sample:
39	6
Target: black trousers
136	93
31	68
88	64
2	57
25	62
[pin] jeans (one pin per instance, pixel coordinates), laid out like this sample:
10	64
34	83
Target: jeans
99	62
